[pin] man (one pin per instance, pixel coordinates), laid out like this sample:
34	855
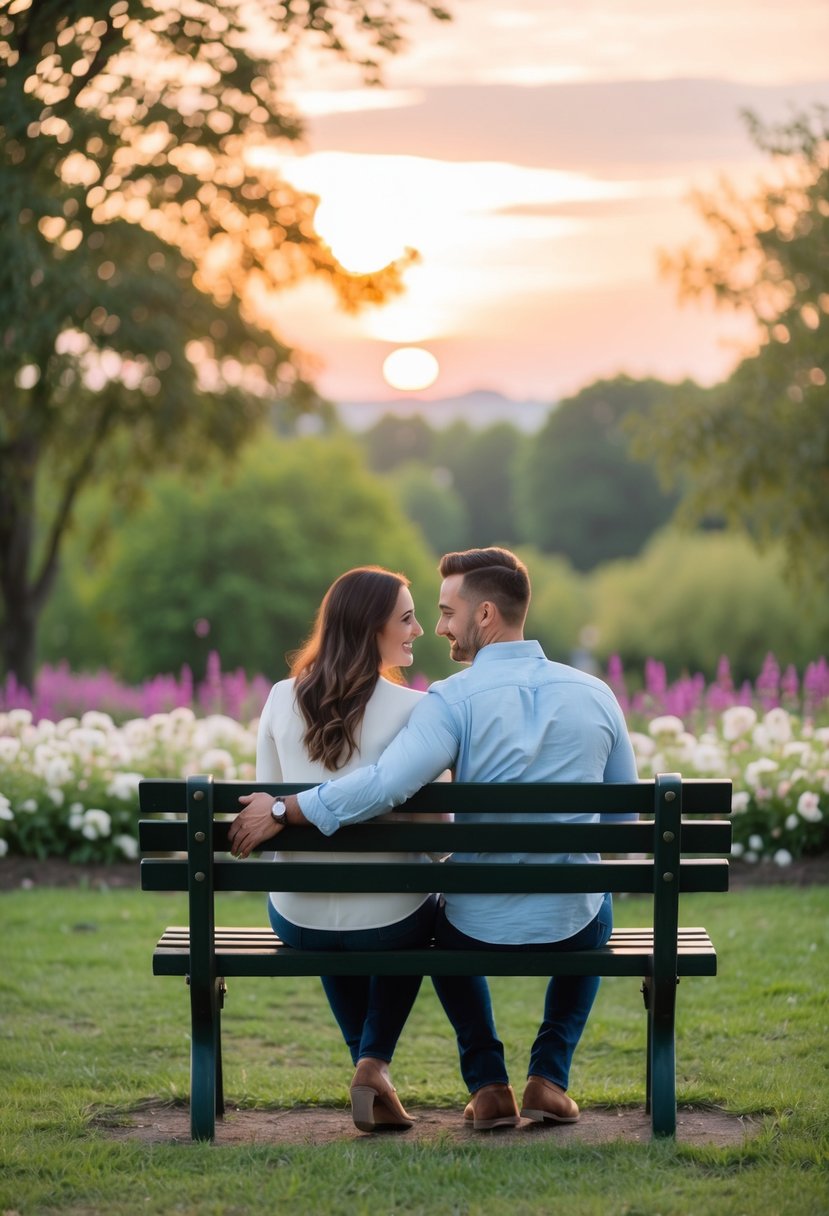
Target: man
511	716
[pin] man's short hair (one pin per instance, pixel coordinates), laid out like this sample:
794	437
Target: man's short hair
492	574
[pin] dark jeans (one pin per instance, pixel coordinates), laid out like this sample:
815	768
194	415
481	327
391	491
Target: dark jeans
371	1010
567	1005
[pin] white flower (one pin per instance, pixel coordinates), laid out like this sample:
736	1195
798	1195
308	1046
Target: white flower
822	735
808	807
740	801
136	731
95	823
30	806
708	758
6	811
802	750
750	856
217	759
783	857
124	786
57	771
737	849
94	720
778	723
755	842
754	771
737	720
668	724
19	717
792	822
9	747
4	847
56	795
85	740
128	846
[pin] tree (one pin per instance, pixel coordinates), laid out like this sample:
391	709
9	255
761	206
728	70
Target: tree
482	467
580	491
429	499
689	599
756	448
140	233
222	565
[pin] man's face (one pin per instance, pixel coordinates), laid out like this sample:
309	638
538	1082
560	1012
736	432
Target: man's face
458	621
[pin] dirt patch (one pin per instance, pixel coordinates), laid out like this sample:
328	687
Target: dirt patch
160	1123
17	872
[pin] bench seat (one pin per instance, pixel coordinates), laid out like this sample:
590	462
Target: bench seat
258	951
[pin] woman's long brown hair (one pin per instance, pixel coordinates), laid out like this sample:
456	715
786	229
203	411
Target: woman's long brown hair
338	668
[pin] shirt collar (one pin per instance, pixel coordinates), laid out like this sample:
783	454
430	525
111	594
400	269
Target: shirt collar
496	651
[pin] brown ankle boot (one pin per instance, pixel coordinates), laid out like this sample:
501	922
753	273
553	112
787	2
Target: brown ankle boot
545	1102
492	1106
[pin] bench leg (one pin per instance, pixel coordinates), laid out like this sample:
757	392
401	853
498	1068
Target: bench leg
206	1099
646	994
661	1079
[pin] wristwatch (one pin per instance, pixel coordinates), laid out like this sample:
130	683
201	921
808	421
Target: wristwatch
280	816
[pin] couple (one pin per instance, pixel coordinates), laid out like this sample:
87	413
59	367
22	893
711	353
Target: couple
510	716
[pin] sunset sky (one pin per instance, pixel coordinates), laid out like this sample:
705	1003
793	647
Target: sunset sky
538	156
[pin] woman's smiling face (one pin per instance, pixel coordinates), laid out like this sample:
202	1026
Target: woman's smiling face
399	632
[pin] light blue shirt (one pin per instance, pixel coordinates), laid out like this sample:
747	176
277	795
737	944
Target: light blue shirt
511	716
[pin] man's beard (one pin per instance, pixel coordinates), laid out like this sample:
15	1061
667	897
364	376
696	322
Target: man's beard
468	646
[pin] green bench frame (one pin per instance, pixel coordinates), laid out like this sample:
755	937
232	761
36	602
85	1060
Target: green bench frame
671	840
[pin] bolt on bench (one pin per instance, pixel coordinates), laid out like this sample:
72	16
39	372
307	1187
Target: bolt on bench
672	833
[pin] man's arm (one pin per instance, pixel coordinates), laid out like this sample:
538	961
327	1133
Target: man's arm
420	753
426	746
621	763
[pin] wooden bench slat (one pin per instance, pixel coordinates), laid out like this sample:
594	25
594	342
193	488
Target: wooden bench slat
699	796
698	836
631	876
251	952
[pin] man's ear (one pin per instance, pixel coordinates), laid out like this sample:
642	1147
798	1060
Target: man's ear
486	612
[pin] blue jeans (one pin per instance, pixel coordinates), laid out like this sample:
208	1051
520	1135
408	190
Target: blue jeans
371	1010
567	1006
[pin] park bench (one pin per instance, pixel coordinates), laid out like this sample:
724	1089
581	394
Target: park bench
670	844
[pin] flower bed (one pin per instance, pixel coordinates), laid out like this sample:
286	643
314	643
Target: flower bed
68	786
779	767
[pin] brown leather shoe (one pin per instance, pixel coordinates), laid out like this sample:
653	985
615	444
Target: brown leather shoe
545	1102
492	1106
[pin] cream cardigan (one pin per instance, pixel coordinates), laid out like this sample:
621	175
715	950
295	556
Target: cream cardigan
281	756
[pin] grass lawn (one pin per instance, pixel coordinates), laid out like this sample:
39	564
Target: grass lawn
85	1026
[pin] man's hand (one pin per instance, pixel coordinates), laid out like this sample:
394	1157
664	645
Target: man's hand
255	823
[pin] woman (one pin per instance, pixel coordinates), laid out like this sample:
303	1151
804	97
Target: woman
345	701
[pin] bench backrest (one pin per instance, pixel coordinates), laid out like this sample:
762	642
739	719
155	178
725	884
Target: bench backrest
679	823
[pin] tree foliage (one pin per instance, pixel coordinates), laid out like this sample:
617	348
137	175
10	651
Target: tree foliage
141	234
688	599
580	492
756	448
225	564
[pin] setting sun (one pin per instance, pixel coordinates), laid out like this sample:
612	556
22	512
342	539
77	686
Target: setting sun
410	368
